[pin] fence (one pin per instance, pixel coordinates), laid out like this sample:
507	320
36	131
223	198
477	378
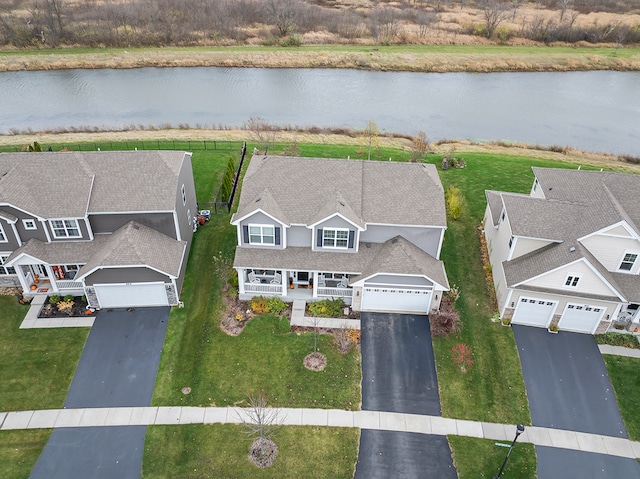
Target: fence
220	205
187	145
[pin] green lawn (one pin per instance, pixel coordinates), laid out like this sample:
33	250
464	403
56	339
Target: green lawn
204	451
19	451
37	364
481	458
623	373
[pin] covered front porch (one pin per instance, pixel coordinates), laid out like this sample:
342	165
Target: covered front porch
44	279
294	284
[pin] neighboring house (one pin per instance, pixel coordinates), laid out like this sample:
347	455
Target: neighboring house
568	253
114	226
366	231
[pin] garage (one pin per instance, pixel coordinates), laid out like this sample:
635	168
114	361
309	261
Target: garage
131	294
534	312
581	318
396	299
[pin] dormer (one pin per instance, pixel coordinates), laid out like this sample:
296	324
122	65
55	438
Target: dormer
337	227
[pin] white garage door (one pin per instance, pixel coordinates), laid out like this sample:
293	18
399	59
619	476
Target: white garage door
134	294
581	318
396	299
534	312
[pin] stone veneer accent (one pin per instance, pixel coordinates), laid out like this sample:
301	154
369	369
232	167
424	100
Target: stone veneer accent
603	327
555	320
172	296
508	313
92	297
9	281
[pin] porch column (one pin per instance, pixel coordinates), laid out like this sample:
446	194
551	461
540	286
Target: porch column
315	284
22	279
241	280
285	282
51	277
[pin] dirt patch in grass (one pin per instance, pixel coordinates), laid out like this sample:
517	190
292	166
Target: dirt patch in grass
235	317
315	361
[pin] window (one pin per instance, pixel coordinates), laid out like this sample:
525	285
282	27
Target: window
572	281
65	228
184	196
29	224
5	269
628	261
3	238
261	234
535	185
510	242
335	238
503	215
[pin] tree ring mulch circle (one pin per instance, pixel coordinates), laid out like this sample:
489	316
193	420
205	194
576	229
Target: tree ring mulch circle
263	452
315	361
186	390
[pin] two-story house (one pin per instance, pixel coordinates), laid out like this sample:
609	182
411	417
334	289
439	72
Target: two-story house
369	232
568	253
114	226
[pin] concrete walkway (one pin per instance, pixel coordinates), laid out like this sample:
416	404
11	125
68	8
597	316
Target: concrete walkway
376	420
32	321
299	319
619	351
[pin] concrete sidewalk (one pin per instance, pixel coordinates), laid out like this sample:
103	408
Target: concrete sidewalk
376	420
32	321
619	351
299	319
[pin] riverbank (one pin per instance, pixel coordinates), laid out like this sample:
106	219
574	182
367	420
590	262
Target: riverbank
598	160
417	58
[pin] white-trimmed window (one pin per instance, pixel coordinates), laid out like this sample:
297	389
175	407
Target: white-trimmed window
262	234
572	281
29	224
535	185
184	195
3	237
335	238
65	228
628	261
5	269
510	242
503	215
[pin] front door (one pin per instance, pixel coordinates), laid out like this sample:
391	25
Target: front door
39	269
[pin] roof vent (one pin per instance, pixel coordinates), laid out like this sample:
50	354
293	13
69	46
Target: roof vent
368	245
572	249
135	227
394	240
341	203
258	200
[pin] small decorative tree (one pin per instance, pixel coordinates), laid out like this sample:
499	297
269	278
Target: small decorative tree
261	423
315	361
461	355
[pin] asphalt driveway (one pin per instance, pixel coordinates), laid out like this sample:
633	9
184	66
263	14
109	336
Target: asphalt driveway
118	367
567	382
568	388
399	375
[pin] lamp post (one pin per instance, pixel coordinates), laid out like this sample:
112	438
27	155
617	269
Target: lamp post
519	430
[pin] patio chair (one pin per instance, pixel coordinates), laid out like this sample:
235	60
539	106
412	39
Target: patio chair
343	283
252	277
321	282
277	279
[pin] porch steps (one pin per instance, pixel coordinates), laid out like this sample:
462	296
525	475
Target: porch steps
299	319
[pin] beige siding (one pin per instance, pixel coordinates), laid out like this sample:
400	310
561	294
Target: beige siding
563	300
538	191
610	250
590	282
527	245
498	246
500	284
619	231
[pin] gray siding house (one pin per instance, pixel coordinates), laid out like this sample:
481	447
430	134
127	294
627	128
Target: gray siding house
568	252
366	231
114	226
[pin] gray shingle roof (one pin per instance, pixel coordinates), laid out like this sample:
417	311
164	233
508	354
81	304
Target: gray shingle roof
60	252
305	189
72	184
396	255
577	203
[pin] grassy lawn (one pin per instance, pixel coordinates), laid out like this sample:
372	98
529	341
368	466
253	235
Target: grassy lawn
203	451
19	451
623	373
493	389
481	458
37	364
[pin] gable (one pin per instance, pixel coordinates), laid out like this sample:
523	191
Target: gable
609	250
590	282
618	231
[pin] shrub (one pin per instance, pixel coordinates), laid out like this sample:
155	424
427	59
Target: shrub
283	325
291	41
233	278
259	305
65	305
54	299
454	292
445	321
461	355
276	305
331	308
617	339
227	179
454	202
68	298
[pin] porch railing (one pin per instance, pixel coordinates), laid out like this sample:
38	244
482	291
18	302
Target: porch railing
342	292
263	288
62	284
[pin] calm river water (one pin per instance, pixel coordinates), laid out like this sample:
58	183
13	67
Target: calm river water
597	111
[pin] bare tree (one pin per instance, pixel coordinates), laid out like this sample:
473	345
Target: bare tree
563	4
262	131
494	13
371	134
283	14
419	146
425	20
260	423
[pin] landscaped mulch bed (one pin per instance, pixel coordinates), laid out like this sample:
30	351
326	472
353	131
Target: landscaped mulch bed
79	309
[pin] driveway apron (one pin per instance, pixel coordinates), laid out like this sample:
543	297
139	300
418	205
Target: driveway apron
399	375
117	368
569	388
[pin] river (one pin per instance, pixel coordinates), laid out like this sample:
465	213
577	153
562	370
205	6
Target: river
595	111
